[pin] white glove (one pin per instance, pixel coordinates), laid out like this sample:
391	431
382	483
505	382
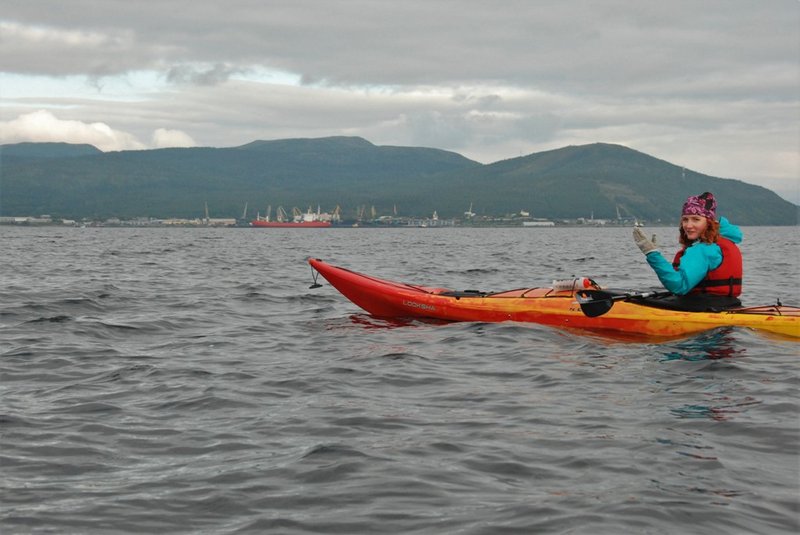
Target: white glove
644	244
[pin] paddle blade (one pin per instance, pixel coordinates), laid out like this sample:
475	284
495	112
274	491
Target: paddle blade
594	302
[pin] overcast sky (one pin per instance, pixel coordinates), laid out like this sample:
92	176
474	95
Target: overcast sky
712	85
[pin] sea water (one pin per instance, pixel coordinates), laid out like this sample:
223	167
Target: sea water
189	381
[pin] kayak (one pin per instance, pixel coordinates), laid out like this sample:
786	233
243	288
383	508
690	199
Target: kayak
548	306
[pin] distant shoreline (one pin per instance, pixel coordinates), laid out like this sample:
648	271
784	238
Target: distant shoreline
557	225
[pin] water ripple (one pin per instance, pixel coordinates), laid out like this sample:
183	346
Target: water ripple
189	381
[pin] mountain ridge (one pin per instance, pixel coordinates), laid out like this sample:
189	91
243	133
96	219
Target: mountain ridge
599	179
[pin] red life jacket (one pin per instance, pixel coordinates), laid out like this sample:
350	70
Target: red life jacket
727	278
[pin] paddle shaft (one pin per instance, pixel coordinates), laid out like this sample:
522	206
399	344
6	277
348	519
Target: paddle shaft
597	302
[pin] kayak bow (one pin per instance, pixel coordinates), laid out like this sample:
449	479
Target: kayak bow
546	306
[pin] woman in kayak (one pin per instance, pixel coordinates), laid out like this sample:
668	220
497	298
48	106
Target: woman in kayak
706	274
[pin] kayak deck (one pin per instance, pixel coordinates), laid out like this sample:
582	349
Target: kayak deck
545	306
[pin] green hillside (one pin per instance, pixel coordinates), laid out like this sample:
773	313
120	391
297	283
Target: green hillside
599	180
177	182
606	180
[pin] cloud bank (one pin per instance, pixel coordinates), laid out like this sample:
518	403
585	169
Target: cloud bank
44	126
710	85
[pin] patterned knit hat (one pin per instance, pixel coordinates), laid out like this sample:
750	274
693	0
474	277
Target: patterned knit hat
703	204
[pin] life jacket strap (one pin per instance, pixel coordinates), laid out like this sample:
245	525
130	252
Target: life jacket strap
730	282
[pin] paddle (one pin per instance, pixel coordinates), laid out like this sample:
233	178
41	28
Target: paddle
597	302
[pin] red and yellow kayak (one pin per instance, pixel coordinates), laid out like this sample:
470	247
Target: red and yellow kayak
546	306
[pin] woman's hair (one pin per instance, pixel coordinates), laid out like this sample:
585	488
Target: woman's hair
710	235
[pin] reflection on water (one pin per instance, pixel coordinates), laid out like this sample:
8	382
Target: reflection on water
719	409
696	451
368	321
714	399
710	345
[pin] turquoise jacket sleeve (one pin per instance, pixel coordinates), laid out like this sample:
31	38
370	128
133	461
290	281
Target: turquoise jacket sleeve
698	259
696	262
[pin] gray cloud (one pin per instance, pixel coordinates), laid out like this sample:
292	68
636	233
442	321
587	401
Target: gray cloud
550	44
187	74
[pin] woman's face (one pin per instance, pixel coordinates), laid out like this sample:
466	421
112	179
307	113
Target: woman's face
694	226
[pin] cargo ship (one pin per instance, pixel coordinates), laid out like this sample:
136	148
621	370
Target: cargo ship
290	224
299	220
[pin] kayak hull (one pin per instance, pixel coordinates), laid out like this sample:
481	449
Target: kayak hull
545	306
